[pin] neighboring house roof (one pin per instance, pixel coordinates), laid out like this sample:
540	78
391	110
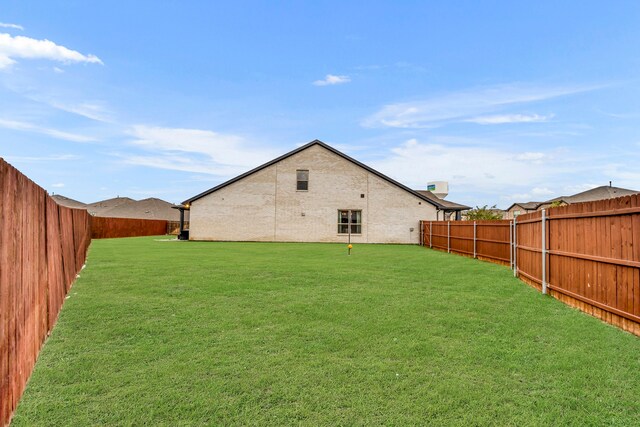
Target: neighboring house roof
528	205
599	193
151	208
435	203
448	205
66	201
97	208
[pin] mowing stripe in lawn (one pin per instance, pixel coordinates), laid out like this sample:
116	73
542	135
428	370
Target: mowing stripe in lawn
191	333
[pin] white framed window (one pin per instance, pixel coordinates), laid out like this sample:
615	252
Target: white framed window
302	180
344	222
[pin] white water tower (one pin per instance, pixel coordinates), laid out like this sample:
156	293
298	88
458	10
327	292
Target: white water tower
439	188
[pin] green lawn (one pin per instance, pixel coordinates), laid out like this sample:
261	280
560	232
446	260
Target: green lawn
184	333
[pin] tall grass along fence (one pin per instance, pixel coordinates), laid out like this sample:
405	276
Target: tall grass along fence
42	248
586	254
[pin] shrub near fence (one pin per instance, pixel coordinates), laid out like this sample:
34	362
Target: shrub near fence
42	248
586	254
105	228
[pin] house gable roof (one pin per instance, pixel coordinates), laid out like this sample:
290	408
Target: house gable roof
526	205
597	193
327	147
448	205
68	202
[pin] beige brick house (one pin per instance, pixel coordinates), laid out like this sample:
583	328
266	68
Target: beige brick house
314	193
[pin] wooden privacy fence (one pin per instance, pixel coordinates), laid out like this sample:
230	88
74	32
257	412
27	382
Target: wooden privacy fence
104	228
42	248
490	240
586	254
173	227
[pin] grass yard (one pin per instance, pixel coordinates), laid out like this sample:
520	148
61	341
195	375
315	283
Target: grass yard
184	333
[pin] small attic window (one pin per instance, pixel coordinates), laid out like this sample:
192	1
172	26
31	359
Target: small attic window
302	180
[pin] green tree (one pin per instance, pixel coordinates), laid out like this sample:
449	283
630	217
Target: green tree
484	212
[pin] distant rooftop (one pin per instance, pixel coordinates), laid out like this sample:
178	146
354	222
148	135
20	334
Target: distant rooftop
446	203
100	207
151	208
599	193
125	207
66	201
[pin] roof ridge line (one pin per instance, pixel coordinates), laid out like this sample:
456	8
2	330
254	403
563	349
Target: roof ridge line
302	148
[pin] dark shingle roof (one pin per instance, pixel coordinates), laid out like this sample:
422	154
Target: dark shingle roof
97	208
527	205
66	201
598	193
448	205
333	150
151	208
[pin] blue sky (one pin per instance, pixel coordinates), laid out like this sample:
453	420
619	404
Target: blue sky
508	101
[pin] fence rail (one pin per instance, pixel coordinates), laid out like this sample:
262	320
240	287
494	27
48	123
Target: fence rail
42	248
106	228
489	240
173	227
586	255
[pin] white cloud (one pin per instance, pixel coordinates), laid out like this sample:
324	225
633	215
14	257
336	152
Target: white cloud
12	26
533	157
184	164
519	197
33	159
578	188
541	191
508	118
91	110
465	105
29	48
482	173
542	194
94	110
331	79
58	70
483	167
58	185
195	150
30	127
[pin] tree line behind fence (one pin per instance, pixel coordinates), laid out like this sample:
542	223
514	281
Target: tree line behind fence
586	255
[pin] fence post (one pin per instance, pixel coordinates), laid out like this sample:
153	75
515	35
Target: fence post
515	247
474	240
430	233
544	251
511	244
421	241
449	236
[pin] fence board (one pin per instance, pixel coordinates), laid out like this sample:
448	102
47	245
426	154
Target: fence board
593	254
104	228
43	246
38	263
173	227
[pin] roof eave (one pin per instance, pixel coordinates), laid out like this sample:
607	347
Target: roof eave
302	148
